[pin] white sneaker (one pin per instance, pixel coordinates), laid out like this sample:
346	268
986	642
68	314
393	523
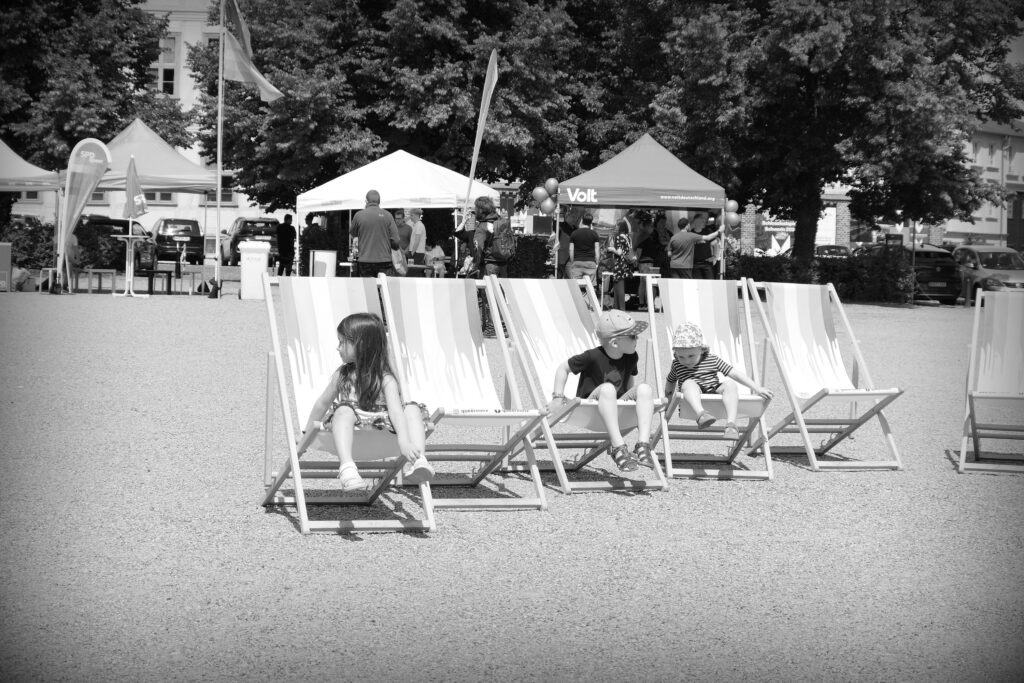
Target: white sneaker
417	472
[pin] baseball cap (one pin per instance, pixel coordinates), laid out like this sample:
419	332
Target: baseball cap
688	336
617	323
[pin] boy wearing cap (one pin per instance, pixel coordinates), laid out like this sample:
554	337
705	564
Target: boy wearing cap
695	371
607	374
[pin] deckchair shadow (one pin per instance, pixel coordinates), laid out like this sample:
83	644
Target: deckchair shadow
434	326
714	305
549	321
994	396
801	334
311	309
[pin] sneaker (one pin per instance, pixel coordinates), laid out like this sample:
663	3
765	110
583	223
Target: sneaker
731	433
417	472
705	420
642	452
623	459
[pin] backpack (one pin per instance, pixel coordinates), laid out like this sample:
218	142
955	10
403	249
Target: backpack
503	242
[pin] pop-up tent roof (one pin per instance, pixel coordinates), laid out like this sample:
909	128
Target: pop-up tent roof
18	175
403	180
160	167
643	174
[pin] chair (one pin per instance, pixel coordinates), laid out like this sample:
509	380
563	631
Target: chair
311	310
714	305
995	383
799	326
435	329
551	320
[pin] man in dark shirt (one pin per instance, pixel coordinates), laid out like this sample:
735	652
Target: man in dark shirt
584	250
285	246
374	235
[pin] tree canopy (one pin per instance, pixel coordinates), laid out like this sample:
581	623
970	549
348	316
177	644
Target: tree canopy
72	69
776	99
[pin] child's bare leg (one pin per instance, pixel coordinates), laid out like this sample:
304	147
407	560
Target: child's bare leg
608	409
644	412
730	399
691	394
417	470
343	427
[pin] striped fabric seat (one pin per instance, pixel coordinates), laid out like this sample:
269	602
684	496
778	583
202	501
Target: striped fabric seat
995	385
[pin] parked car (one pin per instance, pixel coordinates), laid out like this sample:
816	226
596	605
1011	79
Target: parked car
144	250
173	236
989	268
936	274
831	251
245	229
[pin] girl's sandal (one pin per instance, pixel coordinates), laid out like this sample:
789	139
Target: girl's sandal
623	459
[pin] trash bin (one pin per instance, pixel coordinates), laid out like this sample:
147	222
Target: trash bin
323	263
253	262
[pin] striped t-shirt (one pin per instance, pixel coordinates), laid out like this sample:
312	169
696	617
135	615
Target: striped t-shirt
705	373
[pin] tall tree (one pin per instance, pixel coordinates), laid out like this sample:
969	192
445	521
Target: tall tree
777	98
71	69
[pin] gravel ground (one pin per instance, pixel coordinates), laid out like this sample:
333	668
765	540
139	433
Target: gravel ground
135	548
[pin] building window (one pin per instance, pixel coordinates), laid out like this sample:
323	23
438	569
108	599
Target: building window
98	198
165	69
30	196
159	197
227	197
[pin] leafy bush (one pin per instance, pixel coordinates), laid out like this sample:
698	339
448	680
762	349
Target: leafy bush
31	243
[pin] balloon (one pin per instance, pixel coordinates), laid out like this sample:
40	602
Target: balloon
732	206
732	219
548	206
539	193
551	185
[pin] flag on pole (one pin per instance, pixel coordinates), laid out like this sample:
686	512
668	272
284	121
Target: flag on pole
89	160
481	123
238	64
135	198
234	15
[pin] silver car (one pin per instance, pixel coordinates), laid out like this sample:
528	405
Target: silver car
989	268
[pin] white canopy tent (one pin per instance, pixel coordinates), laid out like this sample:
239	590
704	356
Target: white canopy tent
403	180
18	175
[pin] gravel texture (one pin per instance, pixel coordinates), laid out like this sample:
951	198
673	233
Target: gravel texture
135	548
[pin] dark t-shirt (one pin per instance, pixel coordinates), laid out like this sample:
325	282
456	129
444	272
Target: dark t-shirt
583	242
595	367
285	238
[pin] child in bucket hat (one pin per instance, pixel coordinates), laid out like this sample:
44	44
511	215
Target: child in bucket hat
695	371
607	374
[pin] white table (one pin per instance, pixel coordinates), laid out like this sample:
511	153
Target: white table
129	264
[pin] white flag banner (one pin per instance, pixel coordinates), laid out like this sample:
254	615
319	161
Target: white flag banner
89	160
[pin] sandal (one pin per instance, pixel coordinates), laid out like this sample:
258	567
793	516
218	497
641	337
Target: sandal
705	420
642	452
351	482
623	459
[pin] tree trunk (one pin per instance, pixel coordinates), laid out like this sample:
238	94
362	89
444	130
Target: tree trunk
807	213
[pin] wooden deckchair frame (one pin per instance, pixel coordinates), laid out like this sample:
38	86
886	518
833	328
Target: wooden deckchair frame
511	420
580	413
854	388
995	378
385	470
714	306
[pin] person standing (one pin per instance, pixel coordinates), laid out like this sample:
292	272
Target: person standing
418	241
285	246
663	235
404	230
703	254
374	235
583	251
680	249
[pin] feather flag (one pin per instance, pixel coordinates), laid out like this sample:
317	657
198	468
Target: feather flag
481	123
135	198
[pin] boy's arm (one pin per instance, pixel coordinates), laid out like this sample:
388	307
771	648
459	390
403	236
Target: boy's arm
561	376
740	377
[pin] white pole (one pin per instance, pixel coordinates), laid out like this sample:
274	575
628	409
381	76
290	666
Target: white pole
220	142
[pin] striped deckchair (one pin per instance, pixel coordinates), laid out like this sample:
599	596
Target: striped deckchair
995	383
549	321
435	329
713	305
311	309
801	333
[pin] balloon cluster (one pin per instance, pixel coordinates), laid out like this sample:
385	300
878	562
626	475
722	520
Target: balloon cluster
546	196
732	216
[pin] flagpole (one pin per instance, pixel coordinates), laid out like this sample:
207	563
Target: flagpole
220	143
